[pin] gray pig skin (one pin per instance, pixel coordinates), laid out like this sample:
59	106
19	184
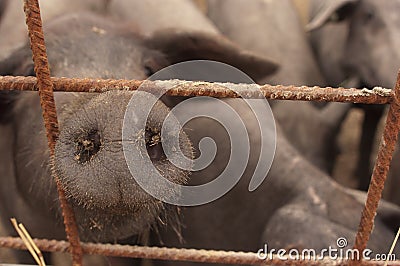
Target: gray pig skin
365	34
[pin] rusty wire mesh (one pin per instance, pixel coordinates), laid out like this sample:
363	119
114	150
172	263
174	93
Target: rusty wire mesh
45	85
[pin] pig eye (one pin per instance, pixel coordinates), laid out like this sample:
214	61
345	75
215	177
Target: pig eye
153	62
31	70
87	146
26	69
153	144
342	13
369	15
148	71
335	17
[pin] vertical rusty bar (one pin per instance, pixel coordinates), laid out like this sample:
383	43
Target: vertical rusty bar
379	174
45	86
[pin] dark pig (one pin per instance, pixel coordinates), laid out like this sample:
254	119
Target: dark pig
274	29
357	40
91	128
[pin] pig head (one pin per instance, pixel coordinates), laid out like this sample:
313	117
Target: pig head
356	40
366	44
109	205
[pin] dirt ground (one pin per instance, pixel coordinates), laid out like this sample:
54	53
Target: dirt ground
346	162
348	144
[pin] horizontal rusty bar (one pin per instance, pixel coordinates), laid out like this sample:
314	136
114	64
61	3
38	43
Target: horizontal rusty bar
174	254
186	88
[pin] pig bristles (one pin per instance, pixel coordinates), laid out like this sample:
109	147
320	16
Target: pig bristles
27	239
170	216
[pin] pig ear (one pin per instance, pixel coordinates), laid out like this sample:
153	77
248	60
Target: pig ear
324	10
179	46
7	99
19	63
3	5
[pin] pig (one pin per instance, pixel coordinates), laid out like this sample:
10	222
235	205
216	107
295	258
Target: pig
13	20
297	206
347	39
145	15
2	7
275	43
95	48
328	53
153	15
232	222
312	130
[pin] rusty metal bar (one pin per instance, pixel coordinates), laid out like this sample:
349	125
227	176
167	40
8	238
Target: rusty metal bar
174	254
45	87
186	88
381	169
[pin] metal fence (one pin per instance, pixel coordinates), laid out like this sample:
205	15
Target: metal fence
46	85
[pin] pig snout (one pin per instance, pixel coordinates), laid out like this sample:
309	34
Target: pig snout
90	163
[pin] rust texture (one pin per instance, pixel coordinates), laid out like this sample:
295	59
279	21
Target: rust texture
380	171
186	88
45	87
174	254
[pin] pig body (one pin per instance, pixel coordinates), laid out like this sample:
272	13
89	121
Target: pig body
274	29
297	206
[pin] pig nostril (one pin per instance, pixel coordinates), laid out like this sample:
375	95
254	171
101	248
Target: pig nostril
87	146
153	144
